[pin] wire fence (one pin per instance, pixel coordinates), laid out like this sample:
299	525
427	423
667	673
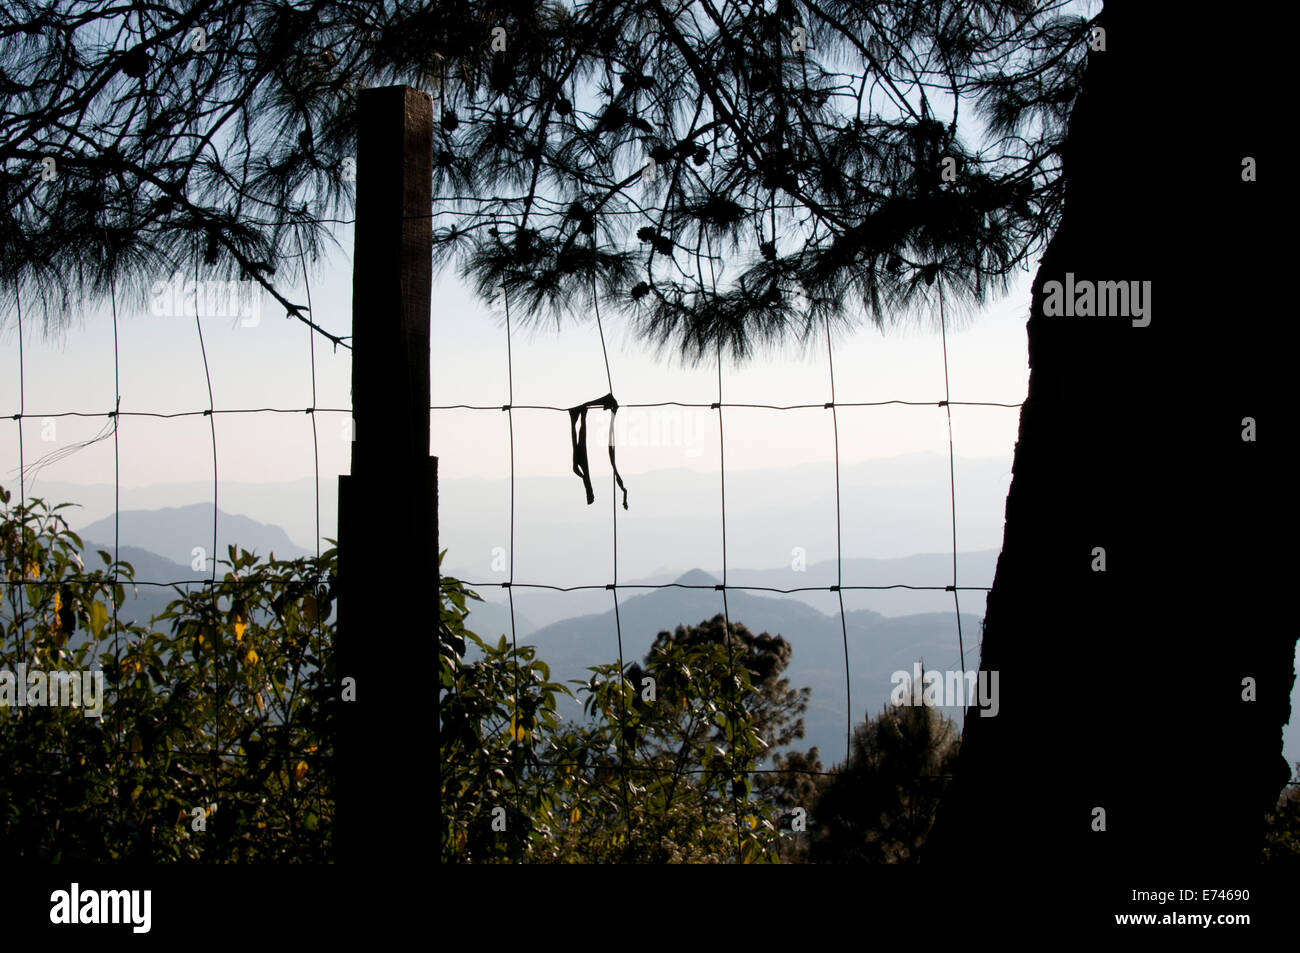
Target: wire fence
218	749
272	705
624	766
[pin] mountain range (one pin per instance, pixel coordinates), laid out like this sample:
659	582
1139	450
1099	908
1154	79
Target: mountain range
889	507
886	629
574	630
162	547
877	646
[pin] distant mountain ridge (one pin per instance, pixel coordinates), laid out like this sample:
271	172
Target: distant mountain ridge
174	533
891	505
877	646
160	546
932	570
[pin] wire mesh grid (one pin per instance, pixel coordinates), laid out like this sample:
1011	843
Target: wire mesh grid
625	767
215	752
271	706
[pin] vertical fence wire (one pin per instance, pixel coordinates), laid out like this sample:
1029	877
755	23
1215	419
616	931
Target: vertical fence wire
839	553
22	473
952	489
515	724
117	520
319	620
733	780
613	586
216	753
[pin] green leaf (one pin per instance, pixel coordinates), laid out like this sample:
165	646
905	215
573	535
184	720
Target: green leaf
98	618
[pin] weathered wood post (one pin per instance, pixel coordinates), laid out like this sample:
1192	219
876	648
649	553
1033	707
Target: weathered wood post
388	532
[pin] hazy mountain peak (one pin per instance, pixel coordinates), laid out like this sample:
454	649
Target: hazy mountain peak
177	533
696	577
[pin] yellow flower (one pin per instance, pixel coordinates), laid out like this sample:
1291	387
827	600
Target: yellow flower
257	700
33	570
58	602
300	771
251	657
240	628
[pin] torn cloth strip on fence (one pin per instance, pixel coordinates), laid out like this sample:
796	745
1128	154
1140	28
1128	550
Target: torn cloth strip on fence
578	434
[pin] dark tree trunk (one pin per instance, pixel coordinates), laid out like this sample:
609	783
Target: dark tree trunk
1122	689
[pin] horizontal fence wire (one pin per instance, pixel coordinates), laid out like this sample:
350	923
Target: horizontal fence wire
829	405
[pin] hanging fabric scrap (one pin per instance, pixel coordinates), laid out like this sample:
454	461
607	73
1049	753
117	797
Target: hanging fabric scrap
578	434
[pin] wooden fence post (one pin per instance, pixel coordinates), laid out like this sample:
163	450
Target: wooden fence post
388	605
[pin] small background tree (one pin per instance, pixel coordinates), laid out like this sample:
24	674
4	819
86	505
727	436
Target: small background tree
658	772
1282	840
881	805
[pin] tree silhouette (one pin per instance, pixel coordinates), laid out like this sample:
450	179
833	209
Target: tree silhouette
734	175
774	708
881	804
793	784
821	145
1282	840
136	138
1105	522
721	709
657	772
